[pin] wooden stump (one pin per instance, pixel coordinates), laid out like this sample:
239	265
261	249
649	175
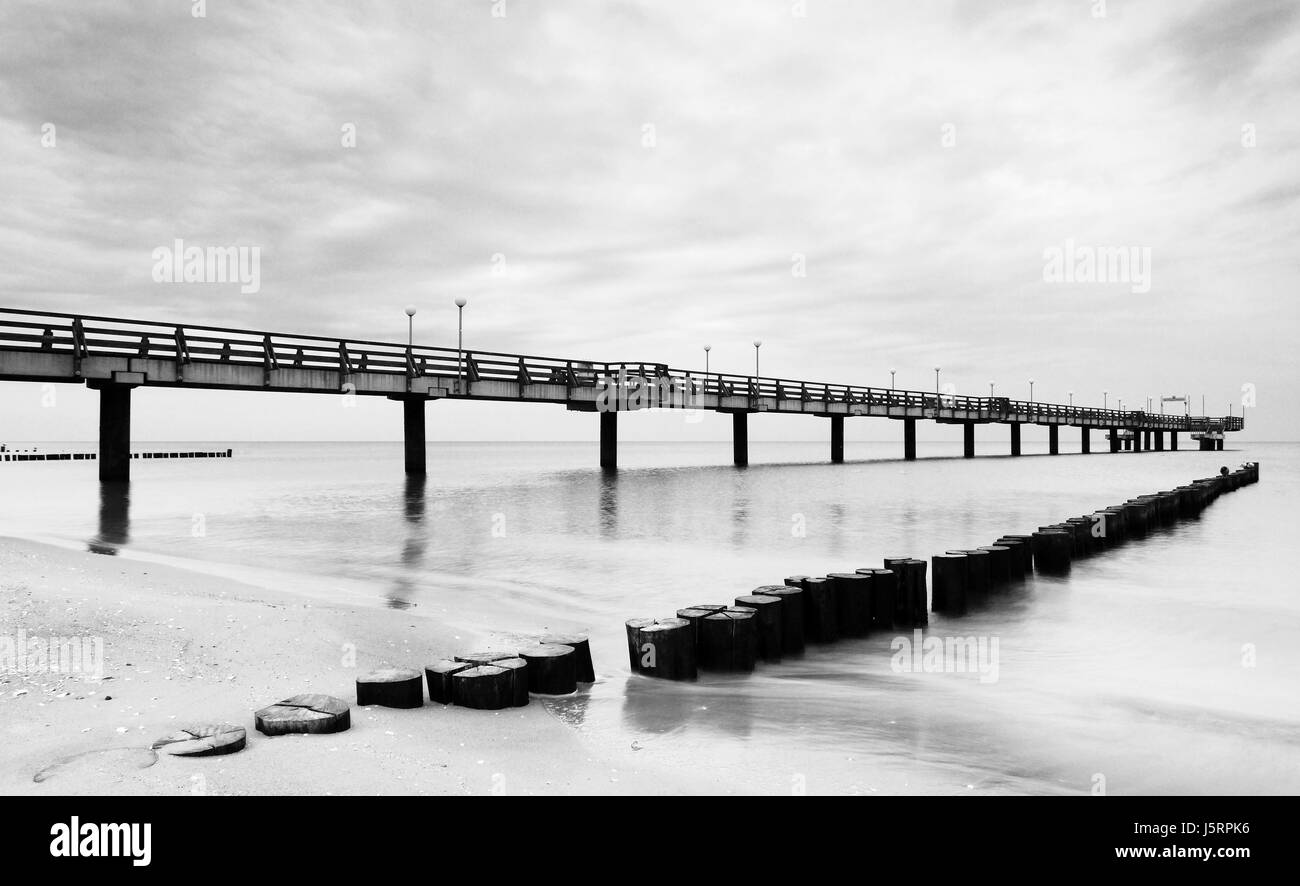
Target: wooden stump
978	574
884	598
729	641
518	669
819	623
792	632
999	565
391	688
1026	551
482	658
668	648
920	593
693	615
796	581
1052	551
205	740
483	687
950	578
581	650
438	675
767	615
1015	557
552	670
903	605
852	602
309	713
633	627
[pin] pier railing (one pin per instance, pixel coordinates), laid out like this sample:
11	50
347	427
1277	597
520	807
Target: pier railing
85	335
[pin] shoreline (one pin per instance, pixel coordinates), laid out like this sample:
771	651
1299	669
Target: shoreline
181	647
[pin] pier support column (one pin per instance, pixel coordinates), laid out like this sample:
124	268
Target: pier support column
1054	439
909	439
413	428
608	441
1146	441
740	438
1085	440
968	439
1219	448
115	433
1173	440
1015	438
1160	441
837	439
1114	440
1128	443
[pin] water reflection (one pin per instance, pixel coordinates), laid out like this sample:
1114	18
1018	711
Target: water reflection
414	506
607	507
114	519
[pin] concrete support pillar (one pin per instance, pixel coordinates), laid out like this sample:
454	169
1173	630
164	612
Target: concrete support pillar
114	433
413	431
909	439
1220	444
740	438
968	439
1160	441
1054	439
1015	438
1128	443
1146	441
1173	440
837	439
1114	440
1085	440
609	441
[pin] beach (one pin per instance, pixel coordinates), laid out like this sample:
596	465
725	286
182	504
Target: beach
183	647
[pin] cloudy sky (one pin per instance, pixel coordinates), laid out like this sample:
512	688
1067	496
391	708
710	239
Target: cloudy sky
633	180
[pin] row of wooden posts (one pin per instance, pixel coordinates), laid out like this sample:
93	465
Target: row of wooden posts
482	680
91	456
779	620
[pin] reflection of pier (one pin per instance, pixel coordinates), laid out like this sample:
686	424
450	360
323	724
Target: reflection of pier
114	356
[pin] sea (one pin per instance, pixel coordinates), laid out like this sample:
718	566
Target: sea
1168	665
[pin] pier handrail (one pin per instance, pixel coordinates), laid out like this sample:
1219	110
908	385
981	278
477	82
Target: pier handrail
86	335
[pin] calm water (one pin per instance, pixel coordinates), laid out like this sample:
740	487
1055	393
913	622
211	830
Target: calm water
1131	669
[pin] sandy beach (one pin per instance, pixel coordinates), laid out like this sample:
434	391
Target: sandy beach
181	647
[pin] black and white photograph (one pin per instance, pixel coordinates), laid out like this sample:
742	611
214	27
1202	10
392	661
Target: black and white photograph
649	398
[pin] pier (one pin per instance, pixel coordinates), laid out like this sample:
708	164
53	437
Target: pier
116	356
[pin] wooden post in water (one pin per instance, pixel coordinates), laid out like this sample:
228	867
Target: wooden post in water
413	434
792	631
729	641
1052	551
609	441
114	433
664	648
837	439
968	439
909	439
1054	439
740	438
767	616
1085	439
819	622
949	583
552	670
1015	438
852	602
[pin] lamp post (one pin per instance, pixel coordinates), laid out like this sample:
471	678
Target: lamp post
891	379
1031	390
1071	399
1105	399
757	344
460	333
1121	404
410	325
936	381
990	390
707	348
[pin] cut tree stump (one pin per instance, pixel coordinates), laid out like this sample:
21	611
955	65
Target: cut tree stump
391	688
518	669
581	651
552	670
665	647
205	740
767	614
483	687
438	676
309	713
482	658
729	640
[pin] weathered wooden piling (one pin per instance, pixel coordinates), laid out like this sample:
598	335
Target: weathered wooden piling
978	574
884	598
767	616
391	688
485	687
852	602
1015	557
819	622
999	565
203	740
729	640
309	713
586	670
920	592
1053	551
792	630
518	669
438	677
667	647
904	598
481	658
1135	519
552	669
1026	550
950	579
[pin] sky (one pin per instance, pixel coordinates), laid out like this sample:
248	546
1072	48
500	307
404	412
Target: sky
862	186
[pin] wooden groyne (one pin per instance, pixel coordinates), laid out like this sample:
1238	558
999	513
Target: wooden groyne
91	456
774	621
